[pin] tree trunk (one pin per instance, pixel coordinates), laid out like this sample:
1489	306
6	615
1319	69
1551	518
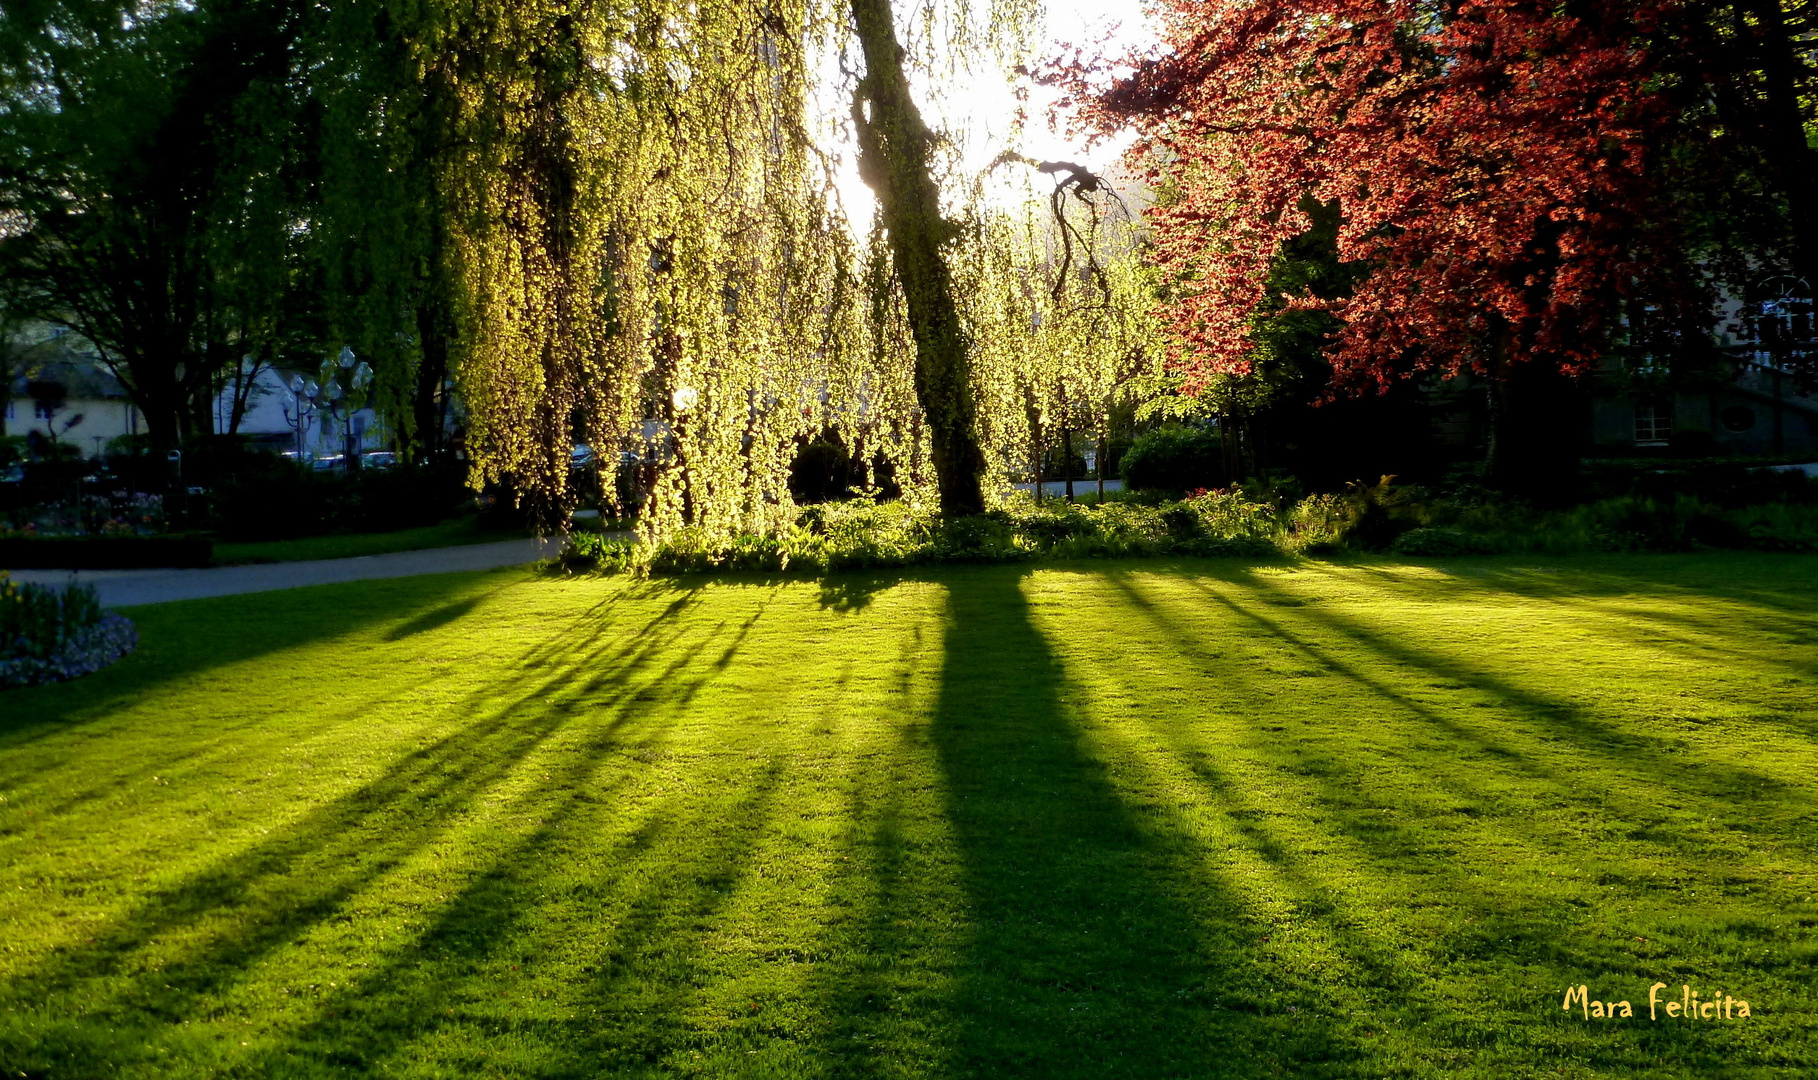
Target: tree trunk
1781	128
1038	437
432	370
894	147
199	417
1100	468
1535	436
158	401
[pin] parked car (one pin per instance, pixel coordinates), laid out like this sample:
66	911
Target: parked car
327	463
379	459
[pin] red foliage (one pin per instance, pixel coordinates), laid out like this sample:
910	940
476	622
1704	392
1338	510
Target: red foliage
1489	157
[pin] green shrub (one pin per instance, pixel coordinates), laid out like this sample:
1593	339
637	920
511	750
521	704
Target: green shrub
268	497
1439	542
1627	523
1779	527
1729	484
1378	517
1174	459
862	535
1318	523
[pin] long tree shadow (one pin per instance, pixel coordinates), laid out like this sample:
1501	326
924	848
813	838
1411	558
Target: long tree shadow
239	910
1726	608
1370	839
57	794
1595	737
1101	946
188	638
658	885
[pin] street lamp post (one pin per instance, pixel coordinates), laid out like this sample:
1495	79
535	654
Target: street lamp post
303	401
344	404
308	397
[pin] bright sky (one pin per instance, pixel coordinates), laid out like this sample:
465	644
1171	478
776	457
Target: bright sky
977	113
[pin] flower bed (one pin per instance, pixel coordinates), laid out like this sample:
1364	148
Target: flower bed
53	635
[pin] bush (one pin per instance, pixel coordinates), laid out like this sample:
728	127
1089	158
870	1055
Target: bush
1377	517
867	535
1727	484
1679	524
1440	542
51	635
13	451
1628	523
1174	459
268	497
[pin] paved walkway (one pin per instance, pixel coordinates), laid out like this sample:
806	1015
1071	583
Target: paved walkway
124	588
1080	487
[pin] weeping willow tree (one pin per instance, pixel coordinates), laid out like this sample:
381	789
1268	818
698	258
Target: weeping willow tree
1063	306
645	253
641	252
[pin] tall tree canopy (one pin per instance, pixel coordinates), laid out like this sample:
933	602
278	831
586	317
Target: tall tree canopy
1488	160
641	244
643	234
1746	80
150	163
604	221
1742	80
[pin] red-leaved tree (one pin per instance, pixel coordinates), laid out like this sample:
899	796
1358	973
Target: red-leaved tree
1489	159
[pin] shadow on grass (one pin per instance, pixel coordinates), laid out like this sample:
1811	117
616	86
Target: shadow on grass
1613	745
454	981
1101	946
1092	934
172	955
1372	832
433	620
1368	841
189	638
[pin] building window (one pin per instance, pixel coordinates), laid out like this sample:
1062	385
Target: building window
1653	422
1738	418
42	412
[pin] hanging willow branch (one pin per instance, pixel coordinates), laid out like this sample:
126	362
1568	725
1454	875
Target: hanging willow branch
648	259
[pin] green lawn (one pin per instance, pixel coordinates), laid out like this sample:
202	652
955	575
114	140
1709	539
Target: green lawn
1101	820
452	533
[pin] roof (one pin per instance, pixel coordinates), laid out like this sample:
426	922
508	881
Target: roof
85	380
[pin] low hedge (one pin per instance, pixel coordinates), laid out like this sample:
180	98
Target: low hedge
104	552
1231	522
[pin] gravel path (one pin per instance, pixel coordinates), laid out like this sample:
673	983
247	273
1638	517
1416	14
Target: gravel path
124	588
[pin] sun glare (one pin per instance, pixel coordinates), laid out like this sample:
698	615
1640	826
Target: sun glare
979	111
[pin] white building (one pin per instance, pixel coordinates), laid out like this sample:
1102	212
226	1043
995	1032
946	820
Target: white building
279	419
96	410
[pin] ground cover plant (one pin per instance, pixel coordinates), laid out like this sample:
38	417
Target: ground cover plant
1106	819
1253	520
49	635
